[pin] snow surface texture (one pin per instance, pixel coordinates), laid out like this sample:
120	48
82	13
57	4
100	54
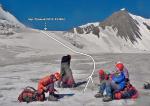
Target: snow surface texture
27	71
28	56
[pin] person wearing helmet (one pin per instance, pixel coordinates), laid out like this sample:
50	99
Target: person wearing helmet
120	66
46	84
103	77
115	84
67	79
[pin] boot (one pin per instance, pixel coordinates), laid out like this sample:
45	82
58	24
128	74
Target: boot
99	95
107	99
52	98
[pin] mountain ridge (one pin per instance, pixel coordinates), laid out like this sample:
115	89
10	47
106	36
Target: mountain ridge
121	21
8	23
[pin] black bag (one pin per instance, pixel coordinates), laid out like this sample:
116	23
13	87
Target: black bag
147	85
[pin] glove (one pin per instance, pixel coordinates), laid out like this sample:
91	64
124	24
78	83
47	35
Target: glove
45	89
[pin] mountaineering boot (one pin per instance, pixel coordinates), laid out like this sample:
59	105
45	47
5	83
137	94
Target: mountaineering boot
107	99
99	95
52	98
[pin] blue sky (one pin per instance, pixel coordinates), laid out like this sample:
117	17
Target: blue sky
75	12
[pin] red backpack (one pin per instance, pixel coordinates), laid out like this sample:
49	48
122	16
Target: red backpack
29	94
129	92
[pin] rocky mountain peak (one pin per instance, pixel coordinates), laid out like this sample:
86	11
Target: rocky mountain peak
122	21
127	27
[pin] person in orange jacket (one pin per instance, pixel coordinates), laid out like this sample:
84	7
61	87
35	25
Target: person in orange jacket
46	84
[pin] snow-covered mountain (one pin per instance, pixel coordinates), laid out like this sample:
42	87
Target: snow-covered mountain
8	23
121	32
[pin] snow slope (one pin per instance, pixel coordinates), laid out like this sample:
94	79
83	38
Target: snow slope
145	32
129	33
5	15
8	23
37	42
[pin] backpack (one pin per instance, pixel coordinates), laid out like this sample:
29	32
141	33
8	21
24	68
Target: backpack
146	85
128	92
29	94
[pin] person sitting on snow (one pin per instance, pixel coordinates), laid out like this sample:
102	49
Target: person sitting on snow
115	84
129	91
67	79
103	77
46	84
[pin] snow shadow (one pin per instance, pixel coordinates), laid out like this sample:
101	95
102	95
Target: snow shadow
80	83
63	95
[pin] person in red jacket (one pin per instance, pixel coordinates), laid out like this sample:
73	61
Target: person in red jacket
46	84
103	77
